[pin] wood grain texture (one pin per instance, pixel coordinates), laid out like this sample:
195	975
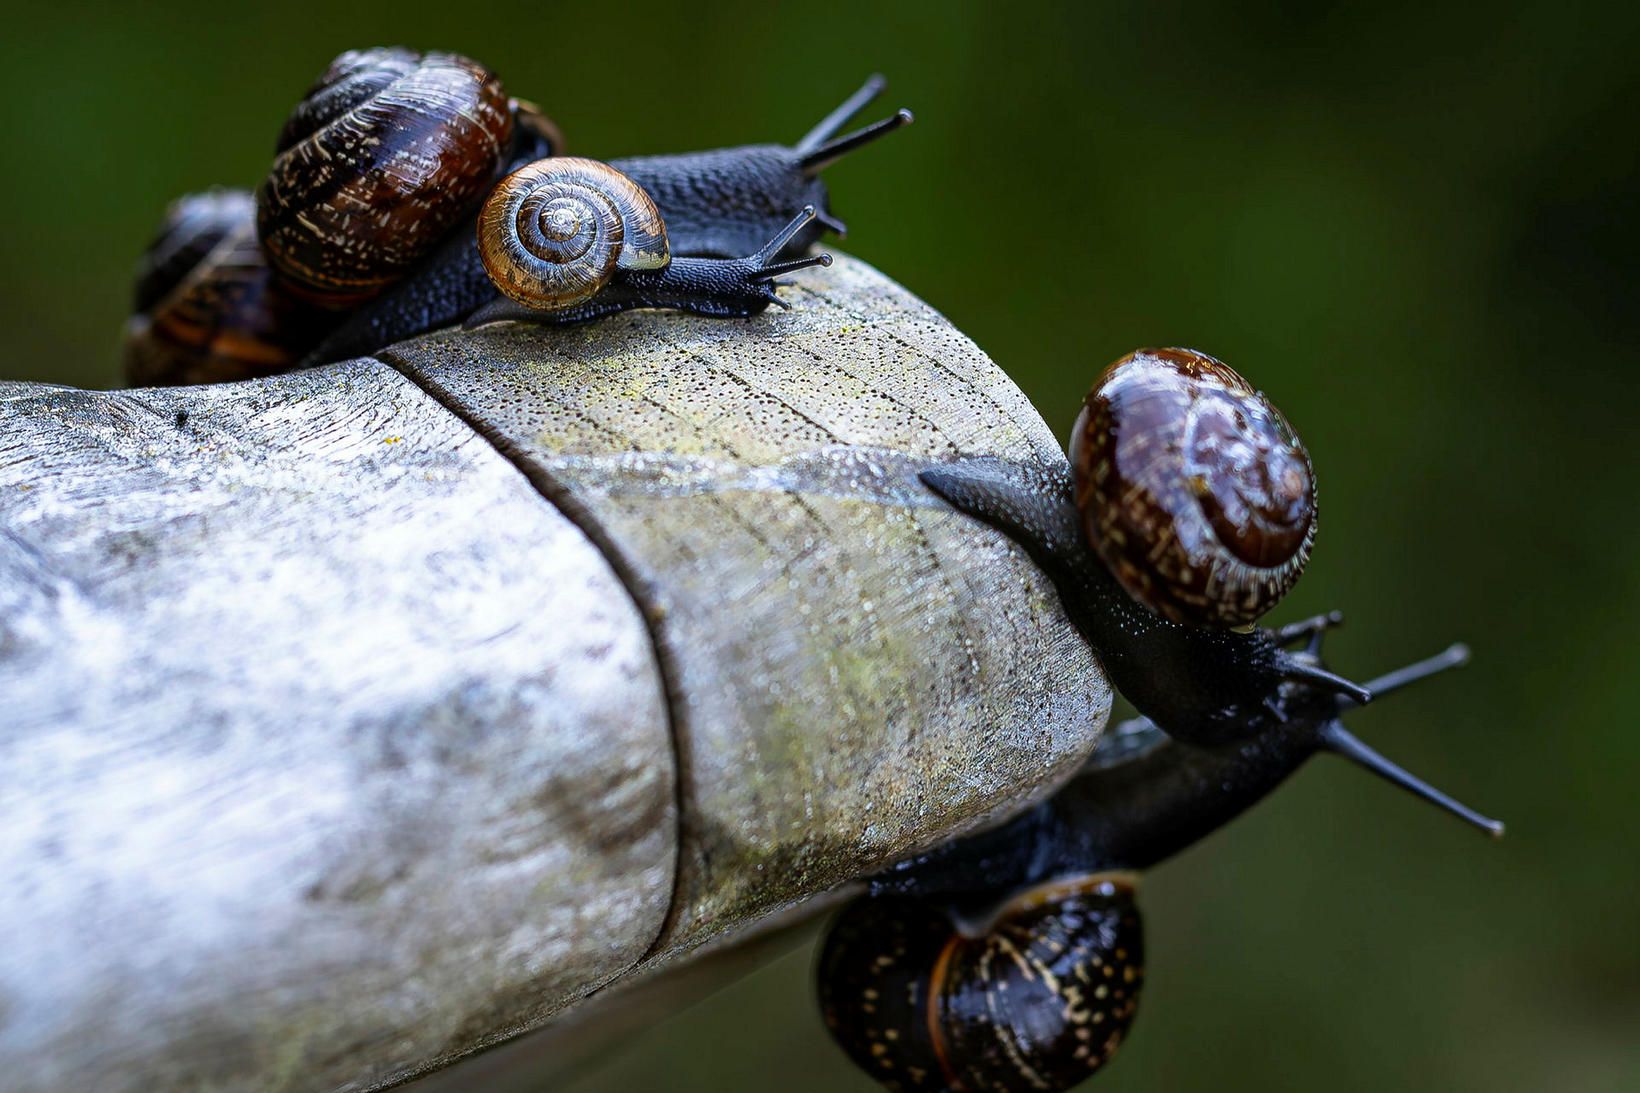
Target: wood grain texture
357	719
855	671
308	785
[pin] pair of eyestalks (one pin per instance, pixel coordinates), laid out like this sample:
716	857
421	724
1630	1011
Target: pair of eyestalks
1013	959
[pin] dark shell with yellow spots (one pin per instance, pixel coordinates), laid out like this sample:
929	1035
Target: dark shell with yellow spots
1193	489
1039	997
386	153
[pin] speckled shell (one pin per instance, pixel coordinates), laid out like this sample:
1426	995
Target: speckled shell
387	152
553	233
362	717
1037	997
1193	489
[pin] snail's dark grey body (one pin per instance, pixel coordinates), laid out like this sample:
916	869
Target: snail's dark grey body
361	717
720	204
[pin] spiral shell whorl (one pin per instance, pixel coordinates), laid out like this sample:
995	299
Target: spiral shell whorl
1193	489
553	233
1040	999
387	153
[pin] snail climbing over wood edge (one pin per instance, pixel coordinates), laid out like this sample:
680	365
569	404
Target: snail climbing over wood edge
365	266
1014	958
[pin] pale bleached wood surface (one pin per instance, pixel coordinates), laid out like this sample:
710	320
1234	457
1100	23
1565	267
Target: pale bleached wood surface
342	739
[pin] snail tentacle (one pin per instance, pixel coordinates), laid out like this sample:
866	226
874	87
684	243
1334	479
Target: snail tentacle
818	159
845	112
1301	670
1308	630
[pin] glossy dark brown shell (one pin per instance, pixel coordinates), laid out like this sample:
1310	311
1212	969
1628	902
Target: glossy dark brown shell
1193	488
1039	998
388	152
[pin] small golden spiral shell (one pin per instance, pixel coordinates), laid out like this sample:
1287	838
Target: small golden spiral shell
553	233
1193	489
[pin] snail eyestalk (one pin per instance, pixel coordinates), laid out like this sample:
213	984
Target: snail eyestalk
818	159
1334	737
1300	671
1454	656
764	257
833	122
1312	628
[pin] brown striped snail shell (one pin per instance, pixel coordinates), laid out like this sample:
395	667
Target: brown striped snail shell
386	153
1193	489
553	233
1037	998
208	307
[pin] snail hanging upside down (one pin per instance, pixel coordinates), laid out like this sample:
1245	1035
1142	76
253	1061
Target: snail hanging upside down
1013	959
367	229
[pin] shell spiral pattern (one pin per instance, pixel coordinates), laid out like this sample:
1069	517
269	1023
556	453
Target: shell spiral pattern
387	152
1193	489
1039	1000
554	232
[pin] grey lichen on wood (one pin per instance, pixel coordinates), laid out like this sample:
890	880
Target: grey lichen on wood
349	714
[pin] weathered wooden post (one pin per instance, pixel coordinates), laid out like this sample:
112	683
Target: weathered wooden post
356	719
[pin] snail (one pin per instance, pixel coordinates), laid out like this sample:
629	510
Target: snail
933	982
567	239
369	177
369	212
747	206
1189	498
1189	509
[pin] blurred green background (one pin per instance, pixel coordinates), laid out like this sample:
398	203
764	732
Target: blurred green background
1416	229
